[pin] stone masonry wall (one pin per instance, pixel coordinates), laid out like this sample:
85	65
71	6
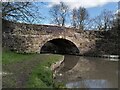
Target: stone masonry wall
27	38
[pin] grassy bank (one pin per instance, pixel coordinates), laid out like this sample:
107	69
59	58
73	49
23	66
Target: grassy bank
42	74
28	70
9	57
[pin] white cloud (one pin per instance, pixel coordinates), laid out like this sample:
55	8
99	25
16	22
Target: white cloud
85	3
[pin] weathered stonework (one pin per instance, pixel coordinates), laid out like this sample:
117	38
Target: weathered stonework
27	38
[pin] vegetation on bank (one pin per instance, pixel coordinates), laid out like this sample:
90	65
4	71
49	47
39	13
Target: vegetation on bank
9	57
35	67
42	74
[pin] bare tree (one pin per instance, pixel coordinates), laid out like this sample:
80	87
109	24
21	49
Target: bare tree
74	18
90	24
20	11
115	31
108	19
82	17
54	11
59	13
79	18
98	22
104	20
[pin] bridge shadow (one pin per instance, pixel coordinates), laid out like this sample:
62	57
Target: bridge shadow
60	46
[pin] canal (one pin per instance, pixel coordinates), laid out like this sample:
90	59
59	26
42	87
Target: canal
88	72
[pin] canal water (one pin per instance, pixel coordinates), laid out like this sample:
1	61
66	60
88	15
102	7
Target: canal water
88	72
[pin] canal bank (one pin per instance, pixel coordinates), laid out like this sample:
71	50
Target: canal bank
27	70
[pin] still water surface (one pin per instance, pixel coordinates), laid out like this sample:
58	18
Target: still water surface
88	72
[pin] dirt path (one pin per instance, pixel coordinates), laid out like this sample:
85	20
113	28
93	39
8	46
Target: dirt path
19	73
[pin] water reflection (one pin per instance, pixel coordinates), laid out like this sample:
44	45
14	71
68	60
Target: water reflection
88	72
90	84
69	62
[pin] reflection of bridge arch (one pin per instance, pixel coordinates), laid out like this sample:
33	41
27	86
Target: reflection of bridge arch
59	46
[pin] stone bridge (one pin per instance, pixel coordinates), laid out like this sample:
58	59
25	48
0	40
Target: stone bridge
30	38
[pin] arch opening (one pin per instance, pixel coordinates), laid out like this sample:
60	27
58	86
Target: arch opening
60	46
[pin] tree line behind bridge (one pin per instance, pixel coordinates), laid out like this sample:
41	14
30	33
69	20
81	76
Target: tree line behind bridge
61	14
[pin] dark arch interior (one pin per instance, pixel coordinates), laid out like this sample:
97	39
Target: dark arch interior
59	46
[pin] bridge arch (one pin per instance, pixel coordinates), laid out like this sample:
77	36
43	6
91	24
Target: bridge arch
59	46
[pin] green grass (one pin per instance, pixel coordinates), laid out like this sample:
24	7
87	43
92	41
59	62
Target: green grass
12	57
42	74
